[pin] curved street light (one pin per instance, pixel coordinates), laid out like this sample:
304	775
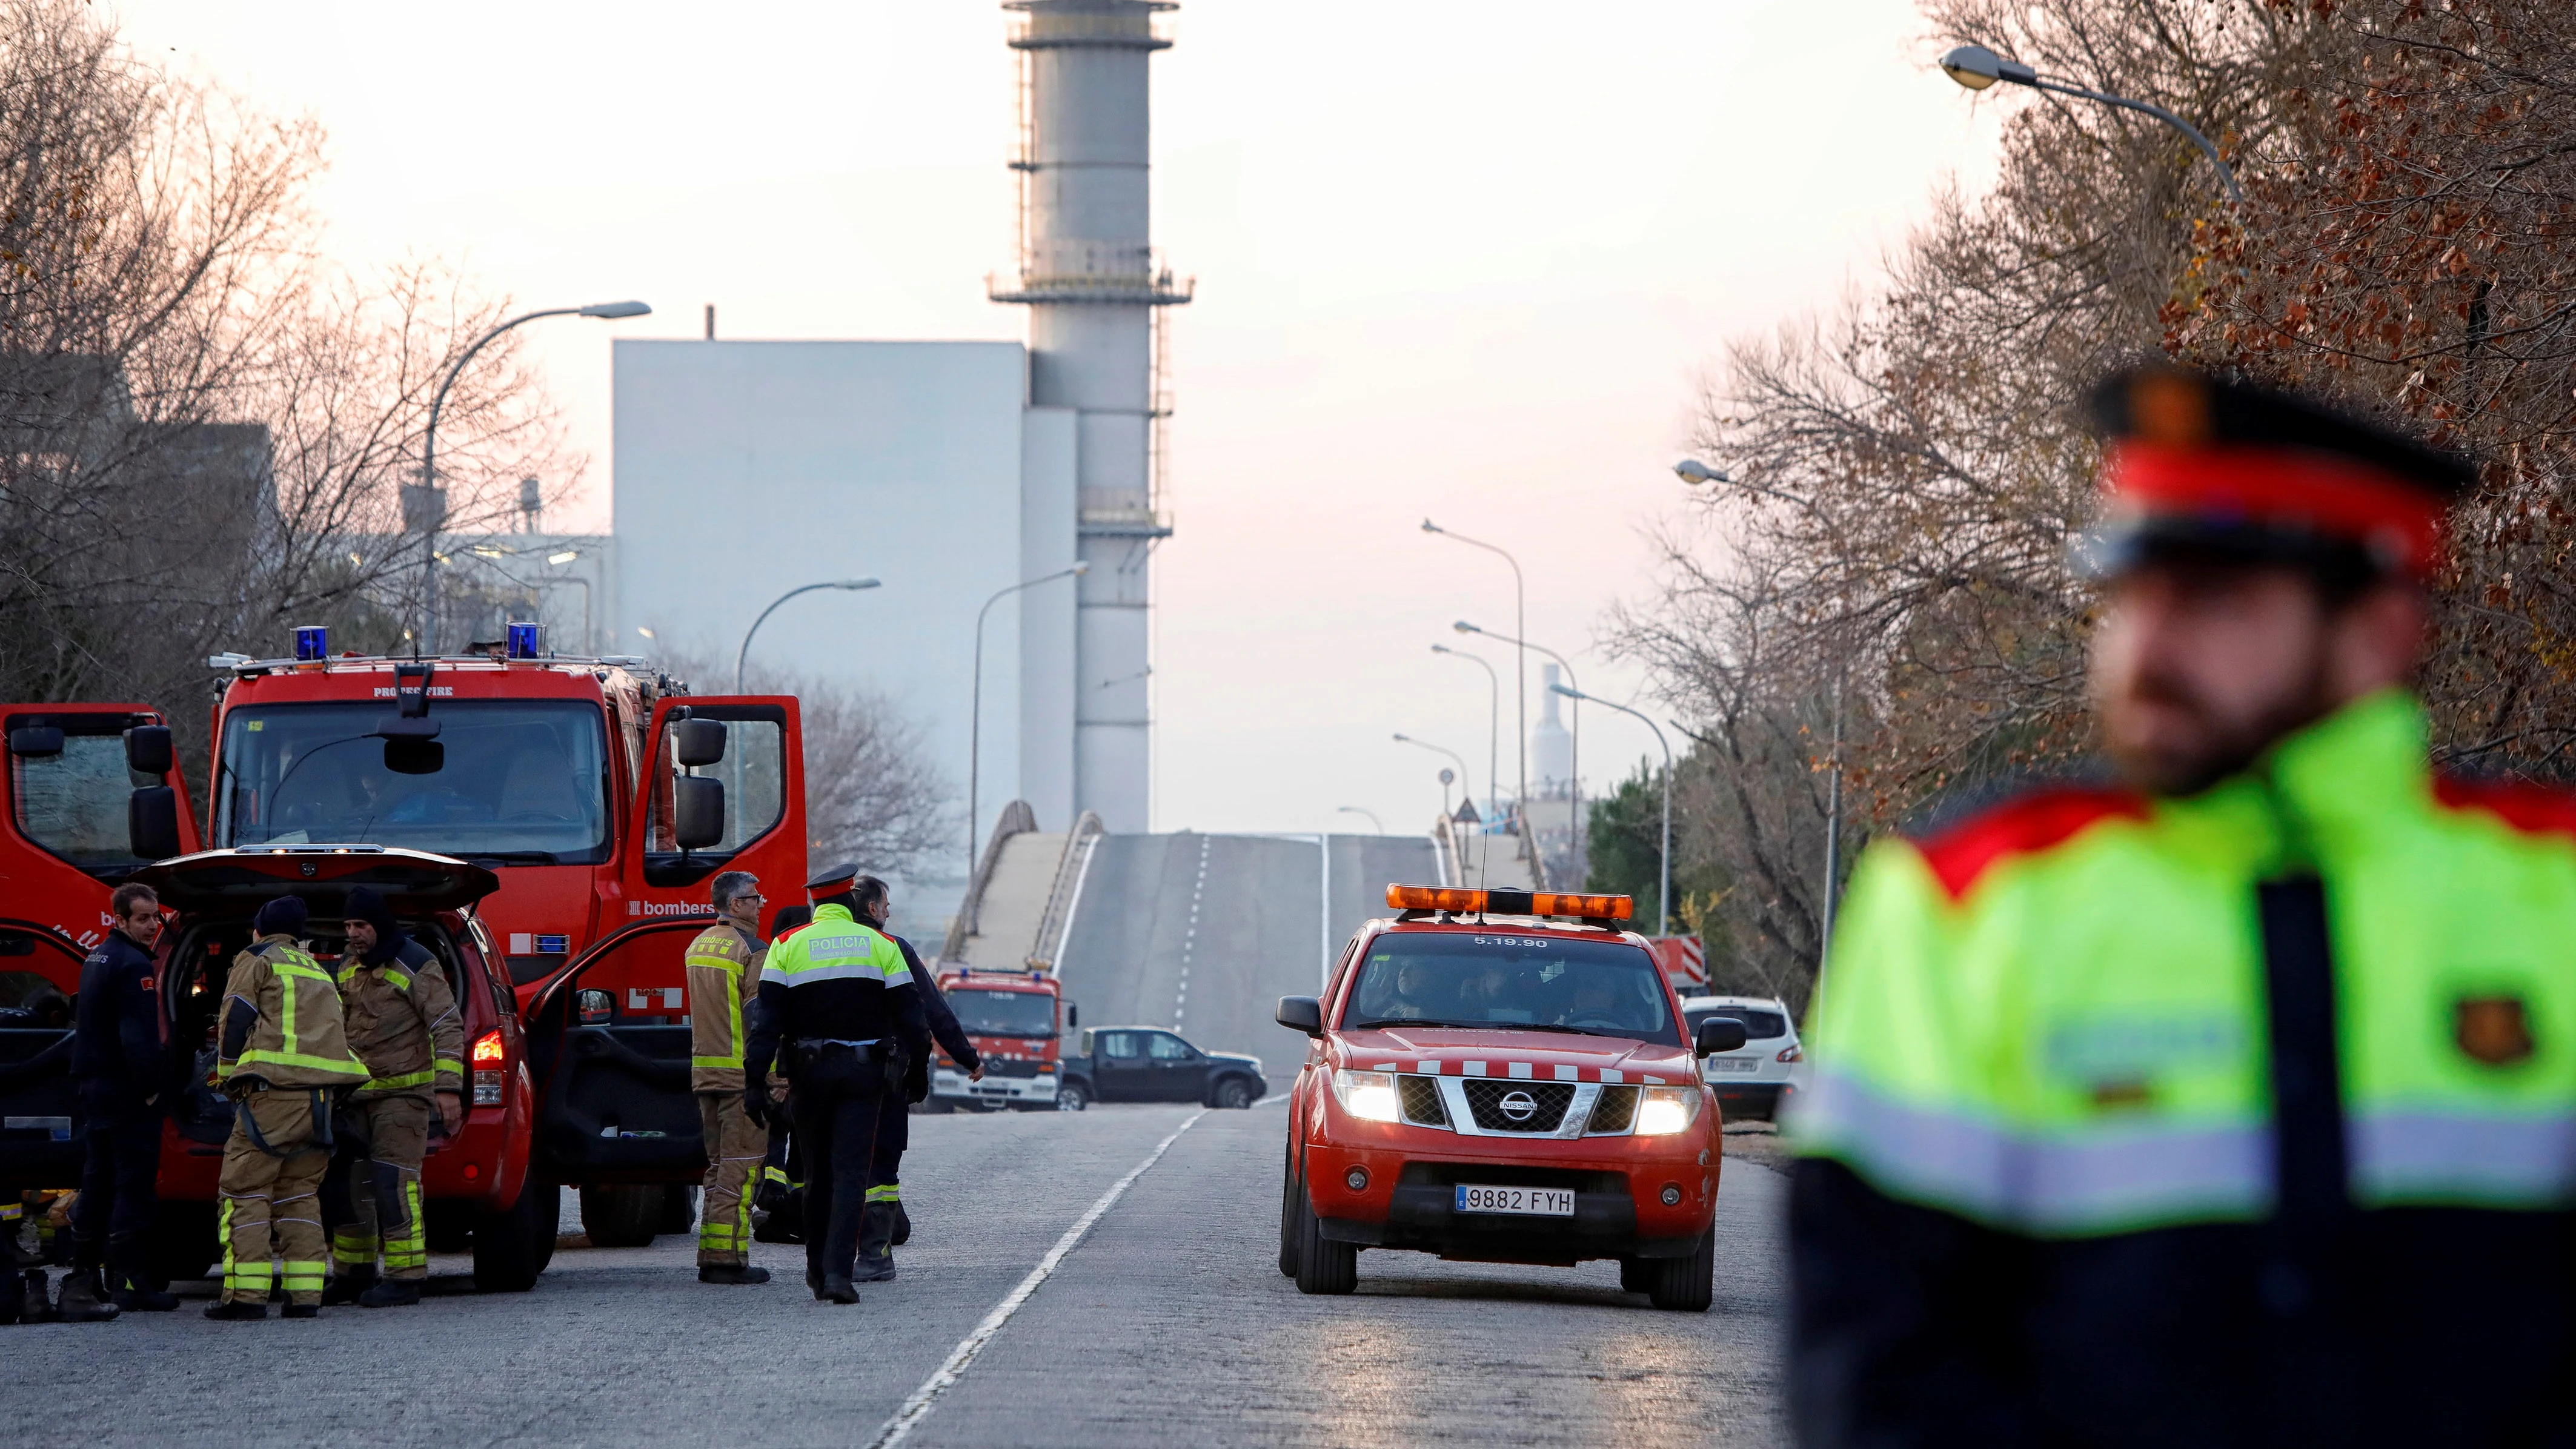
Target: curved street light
744	652
1465	781
1374	822
435	511
1520	626
1493	717
975	721
1664	887
1976	67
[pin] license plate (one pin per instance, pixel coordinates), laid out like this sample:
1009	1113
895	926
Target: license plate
1540	1202
1745	1066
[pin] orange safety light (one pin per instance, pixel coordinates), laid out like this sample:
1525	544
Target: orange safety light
1462	902
487	1050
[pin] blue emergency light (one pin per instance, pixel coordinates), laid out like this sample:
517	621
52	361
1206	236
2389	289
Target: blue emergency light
312	641
524	640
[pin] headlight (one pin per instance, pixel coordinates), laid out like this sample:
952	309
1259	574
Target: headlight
1663	1111
1369	1096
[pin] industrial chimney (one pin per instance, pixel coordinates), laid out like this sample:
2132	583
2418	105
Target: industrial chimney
1088	273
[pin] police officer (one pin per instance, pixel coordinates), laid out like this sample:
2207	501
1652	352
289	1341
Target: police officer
121	1071
403	1025
282	1052
885	1224
724	959
2236	1104
840	1000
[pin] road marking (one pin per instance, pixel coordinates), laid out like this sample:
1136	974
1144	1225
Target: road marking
918	1407
1190	939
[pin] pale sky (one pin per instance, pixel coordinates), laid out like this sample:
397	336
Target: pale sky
1462	262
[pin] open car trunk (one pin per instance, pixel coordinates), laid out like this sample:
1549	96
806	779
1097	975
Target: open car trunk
609	1042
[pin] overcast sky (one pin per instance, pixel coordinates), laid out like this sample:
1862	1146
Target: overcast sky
1454	261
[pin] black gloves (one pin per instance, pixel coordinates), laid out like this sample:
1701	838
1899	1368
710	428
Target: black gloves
755	1103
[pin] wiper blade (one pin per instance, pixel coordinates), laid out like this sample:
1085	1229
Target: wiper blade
509	857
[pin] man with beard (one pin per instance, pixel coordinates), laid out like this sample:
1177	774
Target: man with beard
2237	1104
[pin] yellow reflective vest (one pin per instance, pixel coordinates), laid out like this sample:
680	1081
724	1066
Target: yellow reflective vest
297	1037
724	975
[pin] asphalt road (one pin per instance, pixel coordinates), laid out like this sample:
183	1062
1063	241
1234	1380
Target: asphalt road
1168	1323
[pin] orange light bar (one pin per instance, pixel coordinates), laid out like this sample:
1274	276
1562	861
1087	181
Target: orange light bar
1462	902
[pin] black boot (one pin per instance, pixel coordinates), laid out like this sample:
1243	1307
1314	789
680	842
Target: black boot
82	1299
837	1289
130	1275
876	1245
392	1293
34	1306
732	1273
240	1309
347	1284
902	1226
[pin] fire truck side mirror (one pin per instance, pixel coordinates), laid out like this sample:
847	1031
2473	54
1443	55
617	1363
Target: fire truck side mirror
698	742
152	822
147	750
697	812
1072	1016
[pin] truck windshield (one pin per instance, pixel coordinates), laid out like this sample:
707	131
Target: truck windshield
522	780
1003	1013
1481	981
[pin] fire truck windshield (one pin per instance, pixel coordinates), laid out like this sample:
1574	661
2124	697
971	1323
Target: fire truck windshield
1003	1013
523	781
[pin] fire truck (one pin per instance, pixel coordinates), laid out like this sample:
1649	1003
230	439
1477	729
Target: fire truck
600	796
1017	1020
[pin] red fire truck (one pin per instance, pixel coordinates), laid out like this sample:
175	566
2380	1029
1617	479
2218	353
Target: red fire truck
1017	1020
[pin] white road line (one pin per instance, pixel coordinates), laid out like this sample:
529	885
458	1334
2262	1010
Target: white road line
918	1407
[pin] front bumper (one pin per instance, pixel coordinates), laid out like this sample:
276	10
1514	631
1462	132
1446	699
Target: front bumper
1006	1091
1409	1201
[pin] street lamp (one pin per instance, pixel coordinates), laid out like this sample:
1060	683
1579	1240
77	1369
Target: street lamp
745	651
1493	716
433	503
1976	67
1466	781
1664	888
975	721
1374	823
1695	472
1574	764
1520	626
1449	823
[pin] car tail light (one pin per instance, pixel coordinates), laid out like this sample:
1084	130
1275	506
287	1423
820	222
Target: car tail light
489	1055
1790	1053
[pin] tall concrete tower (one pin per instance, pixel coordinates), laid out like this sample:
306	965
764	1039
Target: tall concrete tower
1088	273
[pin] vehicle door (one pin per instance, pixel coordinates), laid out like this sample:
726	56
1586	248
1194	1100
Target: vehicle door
39	1114
94	793
1120	1070
723	788
609	1046
1180	1070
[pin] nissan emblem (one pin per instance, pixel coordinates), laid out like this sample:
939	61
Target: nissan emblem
1519	1106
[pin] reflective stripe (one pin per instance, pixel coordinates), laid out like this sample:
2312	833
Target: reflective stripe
448	1067
420	1078
399	977
2115	1178
891	1192
340	1065
726	964
2432	1158
849	971
733	1061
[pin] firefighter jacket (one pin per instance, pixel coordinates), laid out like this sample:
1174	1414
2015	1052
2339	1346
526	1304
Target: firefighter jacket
116	1025
282	1022
723	961
403	1024
834	980
2243	1118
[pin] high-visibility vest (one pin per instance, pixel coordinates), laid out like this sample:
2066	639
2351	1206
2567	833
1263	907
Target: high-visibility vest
2053	1019
719	961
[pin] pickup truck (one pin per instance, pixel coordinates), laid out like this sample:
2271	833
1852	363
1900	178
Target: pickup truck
1152	1064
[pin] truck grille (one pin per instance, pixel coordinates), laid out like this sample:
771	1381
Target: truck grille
1615	1112
1490	1101
1422	1105
1004	1067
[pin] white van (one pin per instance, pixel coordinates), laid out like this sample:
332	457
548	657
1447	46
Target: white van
1751	1081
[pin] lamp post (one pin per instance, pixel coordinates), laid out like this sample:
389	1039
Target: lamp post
1574	762
1520	626
1374	823
1465	780
1466	789
433	509
744	653
1493	716
975	722
1976	68
1664	887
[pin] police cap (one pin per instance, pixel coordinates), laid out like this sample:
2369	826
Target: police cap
832	880
2217	468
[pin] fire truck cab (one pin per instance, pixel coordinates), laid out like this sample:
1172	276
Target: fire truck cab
1017	1020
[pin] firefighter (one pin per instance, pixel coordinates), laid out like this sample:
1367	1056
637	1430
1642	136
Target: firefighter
781	1198
2236	1104
404	1026
837	998
885	1224
722	960
281	1053
121	1073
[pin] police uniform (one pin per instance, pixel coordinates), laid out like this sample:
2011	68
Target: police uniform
885	1224
2243	1117
118	1061
721	962
839	999
282	1052
403	1025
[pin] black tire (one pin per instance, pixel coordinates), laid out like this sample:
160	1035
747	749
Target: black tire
1685	1285
1073	1096
1288	1217
1232	1094
622	1215
1323	1266
513	1246
679	1209
1636	1275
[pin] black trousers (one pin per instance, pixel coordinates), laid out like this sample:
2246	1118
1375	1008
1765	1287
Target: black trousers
894	1133
836	1099
118	1195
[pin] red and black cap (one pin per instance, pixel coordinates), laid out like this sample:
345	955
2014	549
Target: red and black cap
832	880
2201	465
